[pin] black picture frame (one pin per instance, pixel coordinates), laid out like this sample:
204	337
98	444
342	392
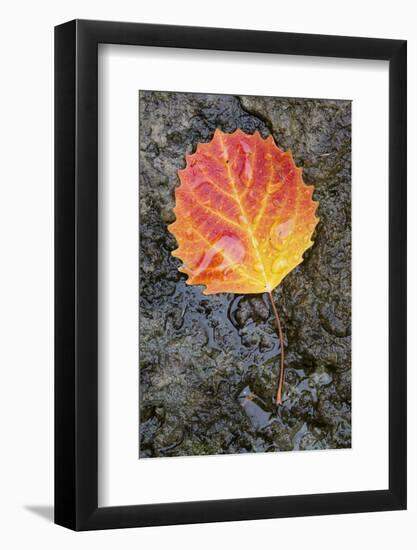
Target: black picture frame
76	271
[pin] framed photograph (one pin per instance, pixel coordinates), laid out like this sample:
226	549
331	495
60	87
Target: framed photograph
230	247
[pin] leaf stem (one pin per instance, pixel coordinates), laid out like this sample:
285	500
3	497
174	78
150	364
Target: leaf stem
281	342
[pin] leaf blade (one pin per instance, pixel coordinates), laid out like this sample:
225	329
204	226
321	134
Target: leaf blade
244	216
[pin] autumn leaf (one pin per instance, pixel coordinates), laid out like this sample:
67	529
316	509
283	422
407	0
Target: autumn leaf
244	217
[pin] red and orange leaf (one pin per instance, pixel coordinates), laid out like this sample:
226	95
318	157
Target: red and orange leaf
244	216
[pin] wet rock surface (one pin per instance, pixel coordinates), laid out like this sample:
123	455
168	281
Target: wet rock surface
209	364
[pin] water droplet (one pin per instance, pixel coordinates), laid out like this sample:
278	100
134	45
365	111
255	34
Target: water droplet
280	231
200	184
279	264
243	163
204	191
225	253
189	231
245	146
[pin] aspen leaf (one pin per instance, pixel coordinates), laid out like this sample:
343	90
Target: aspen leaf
244	216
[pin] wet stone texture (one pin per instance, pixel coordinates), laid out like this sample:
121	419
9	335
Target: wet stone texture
209	364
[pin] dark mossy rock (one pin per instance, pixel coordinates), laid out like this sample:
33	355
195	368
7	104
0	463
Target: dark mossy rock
208	365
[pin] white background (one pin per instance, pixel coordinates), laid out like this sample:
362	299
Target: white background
123	479
27	273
